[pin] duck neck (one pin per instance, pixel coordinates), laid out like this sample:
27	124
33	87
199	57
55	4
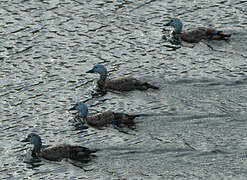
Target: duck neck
178	26
178	30
103	76
84	120
101	81
36	149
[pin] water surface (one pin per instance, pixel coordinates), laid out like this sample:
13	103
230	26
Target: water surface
46	48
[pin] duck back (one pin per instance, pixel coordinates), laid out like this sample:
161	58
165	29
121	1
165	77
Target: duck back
123	118
110	118
197	35
127	83
193	36
59	152
101	119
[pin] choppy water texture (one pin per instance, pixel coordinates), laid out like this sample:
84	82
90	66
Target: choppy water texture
47	46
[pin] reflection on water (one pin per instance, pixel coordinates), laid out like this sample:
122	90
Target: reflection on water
47	47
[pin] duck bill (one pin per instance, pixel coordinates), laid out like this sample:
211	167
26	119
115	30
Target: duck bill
167	24
73	108
90	71
24	140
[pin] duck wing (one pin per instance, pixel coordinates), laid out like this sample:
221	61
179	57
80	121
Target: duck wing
122	118
59	152
100	119
212	34
193	36
127	83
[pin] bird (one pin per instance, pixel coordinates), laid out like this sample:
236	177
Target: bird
57	152
127	83
105	118
196	35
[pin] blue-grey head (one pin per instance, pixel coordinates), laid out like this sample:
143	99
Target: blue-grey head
99	68
81	108
34	139
176	23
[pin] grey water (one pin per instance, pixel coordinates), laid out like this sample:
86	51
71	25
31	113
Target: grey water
47	46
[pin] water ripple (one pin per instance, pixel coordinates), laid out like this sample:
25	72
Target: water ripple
198	125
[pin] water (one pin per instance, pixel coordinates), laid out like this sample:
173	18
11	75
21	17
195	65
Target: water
46	48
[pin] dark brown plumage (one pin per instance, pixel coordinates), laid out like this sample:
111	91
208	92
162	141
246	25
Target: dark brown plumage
57	152
127	83
109	118
196	35
104	118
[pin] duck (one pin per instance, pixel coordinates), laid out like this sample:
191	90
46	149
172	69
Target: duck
57	152
105	118
127	83
194	36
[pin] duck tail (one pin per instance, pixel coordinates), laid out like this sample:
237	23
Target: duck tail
148	85
220	35
122	118
81	153
223	35
124	115
93	151
134	115
84	150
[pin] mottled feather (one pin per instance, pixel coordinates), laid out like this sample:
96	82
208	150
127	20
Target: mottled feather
123	83
59	152
127	83
109	118
196	35
100	119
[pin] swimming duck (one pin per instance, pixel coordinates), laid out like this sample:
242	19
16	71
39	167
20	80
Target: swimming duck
196	35
58	152
120	84
105	118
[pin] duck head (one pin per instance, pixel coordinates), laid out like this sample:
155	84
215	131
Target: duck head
35	140
81	108
98	68
32	138
177	24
